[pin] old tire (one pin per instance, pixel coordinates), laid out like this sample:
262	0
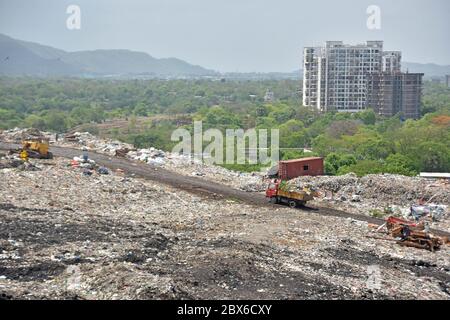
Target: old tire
273	200
292	203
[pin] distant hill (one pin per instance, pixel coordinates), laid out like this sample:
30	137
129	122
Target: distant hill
430	69
27	58
16	58
19	57
295	75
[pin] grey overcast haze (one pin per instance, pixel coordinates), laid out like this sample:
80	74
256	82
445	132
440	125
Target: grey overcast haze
232	35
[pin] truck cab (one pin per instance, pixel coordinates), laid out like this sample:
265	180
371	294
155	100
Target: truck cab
272	189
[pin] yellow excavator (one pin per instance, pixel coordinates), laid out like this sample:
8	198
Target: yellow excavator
36	148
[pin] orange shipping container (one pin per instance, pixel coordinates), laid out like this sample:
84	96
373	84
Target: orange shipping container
291	169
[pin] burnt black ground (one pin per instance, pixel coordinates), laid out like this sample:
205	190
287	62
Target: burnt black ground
227	268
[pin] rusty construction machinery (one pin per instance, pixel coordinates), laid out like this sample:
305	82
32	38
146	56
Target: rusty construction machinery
412	234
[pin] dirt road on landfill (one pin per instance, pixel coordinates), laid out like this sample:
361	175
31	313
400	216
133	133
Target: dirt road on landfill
194	184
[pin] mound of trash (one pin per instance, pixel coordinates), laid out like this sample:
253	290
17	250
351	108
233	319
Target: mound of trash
382	195
150	156
17	135
390	188
10	162
107	146
183	164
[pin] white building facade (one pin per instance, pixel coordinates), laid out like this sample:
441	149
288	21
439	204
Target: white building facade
335	77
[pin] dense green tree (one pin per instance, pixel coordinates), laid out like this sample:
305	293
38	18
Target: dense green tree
262	111
140	109
400	164
9	118
56	121
434	157
282	113
334	161
363	167
339	128
218	117
34	121
368	117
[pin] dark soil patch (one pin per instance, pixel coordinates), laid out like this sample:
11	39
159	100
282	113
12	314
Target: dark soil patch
37	272
419	267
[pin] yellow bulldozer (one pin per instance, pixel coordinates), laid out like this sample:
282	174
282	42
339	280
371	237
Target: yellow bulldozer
35	148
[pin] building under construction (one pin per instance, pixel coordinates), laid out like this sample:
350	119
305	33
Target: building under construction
395	93
352	78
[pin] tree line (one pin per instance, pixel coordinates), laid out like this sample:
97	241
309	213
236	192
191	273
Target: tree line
362	142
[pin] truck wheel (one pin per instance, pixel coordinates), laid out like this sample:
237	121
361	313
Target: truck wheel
273	200
292	204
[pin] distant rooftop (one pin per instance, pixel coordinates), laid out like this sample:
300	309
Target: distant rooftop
302	159
435	175
340	44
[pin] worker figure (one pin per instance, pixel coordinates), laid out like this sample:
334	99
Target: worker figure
24	155
85	155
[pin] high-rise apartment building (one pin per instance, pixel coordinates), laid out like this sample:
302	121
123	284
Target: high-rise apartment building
313	77
346	71
334	76
338	77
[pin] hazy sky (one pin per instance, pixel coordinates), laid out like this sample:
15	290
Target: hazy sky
232	35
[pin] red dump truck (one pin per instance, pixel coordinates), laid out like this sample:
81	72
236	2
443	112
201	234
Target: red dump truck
286	170
277	194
